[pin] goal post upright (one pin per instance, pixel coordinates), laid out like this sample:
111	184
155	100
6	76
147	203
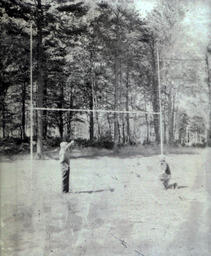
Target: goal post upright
160	105
31	99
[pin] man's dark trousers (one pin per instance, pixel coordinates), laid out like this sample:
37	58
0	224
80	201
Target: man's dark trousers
65	180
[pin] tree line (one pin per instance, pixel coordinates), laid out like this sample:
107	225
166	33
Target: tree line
89	55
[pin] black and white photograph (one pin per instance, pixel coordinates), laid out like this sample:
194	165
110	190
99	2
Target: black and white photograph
105	127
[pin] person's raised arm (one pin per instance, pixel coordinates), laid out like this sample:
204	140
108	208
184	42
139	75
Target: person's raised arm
71	144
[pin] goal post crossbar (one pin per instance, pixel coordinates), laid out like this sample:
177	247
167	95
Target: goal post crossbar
98	110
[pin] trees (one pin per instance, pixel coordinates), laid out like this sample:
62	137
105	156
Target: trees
66	57
164	22
41	14
59	13
183	122
14	73
208	62
122	35
92	56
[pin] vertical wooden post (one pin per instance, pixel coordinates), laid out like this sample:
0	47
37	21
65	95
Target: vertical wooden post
208	61
161	115
31	99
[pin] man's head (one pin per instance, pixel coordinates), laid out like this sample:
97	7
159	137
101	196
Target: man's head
63	144
163	163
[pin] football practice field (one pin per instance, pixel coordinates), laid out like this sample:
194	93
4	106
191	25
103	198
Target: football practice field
117	207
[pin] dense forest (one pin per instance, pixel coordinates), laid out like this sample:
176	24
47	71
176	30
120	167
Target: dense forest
97	55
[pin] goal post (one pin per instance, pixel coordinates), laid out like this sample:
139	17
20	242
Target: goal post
31	95
94	110
160	105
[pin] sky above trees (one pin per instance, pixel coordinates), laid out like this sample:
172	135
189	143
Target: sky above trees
196	26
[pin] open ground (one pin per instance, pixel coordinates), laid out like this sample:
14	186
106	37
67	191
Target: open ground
118	206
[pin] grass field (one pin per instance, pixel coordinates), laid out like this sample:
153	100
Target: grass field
118	206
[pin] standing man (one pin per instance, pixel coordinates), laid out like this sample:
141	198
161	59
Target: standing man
64	160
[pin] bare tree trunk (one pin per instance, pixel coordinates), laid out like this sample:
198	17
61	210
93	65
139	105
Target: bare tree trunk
98	125
127	105
96	113
209	130
171	119
70	115
116	69
165	131
147	120
91	85
147	128
164	125
45	124
109	123
155	93
61	125
119	132
40	81
91	120
117	64
120	100
3	120
165	116
61	113
91	114
123	129
175	121
23	119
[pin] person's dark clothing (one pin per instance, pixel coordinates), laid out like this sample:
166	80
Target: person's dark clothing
65	179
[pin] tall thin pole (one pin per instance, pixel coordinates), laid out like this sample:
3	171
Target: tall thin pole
161	115
209	97
31	99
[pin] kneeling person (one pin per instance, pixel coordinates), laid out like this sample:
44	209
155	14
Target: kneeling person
166	176
64	160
